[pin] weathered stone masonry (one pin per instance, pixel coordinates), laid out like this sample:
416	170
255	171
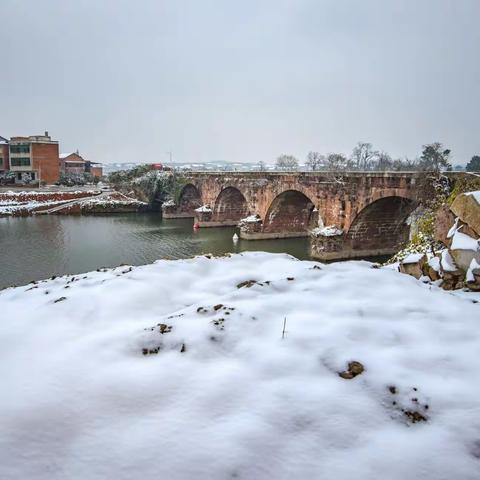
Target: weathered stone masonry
370	208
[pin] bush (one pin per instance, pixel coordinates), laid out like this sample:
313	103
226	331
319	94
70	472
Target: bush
462	185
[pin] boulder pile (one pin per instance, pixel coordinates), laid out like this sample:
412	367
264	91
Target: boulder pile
457	263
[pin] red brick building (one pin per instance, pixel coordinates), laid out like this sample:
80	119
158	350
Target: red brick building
34	159
96	169
4	156
74	164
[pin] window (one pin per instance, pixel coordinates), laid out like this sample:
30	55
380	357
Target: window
20	162
20	148
1	162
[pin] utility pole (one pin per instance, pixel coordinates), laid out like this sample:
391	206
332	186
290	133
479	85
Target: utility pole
170	156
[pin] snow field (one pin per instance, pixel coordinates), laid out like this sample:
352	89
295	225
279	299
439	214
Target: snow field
224	396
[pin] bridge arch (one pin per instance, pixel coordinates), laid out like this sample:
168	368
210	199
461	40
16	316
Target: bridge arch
380	227
291	213
230	206
189	199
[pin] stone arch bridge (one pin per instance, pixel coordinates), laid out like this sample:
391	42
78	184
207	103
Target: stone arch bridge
367	210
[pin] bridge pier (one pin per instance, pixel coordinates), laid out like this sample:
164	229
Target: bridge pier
328	248
171	210
252	228
205	218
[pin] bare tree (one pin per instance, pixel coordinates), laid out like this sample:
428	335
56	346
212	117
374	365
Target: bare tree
315	161
286	162
405	165
337	162
337	165
383	161
262	166
363	156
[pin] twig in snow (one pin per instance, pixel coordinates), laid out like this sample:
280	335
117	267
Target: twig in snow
284	325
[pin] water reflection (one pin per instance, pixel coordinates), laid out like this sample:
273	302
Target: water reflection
32	248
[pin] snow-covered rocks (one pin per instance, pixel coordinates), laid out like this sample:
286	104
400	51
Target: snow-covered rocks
450	260
133	375
250	219
413	264
250	225
204	209
464	249
466	206
328	231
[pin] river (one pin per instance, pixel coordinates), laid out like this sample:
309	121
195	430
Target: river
33	248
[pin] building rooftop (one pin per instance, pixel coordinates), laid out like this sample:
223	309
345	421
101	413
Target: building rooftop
33	139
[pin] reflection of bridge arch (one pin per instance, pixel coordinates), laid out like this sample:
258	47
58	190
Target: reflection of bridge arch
188	200
230	206
381	225
290	213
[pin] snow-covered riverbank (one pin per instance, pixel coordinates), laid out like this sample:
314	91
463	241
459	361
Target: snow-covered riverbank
67	203
178	370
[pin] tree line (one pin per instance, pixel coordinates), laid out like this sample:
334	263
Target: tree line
434	157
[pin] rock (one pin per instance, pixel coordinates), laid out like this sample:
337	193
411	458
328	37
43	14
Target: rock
467	208
452	276
354	368
473	276
444	219
247	283
413	264
464	249
414	416
164	328
463	258
431	268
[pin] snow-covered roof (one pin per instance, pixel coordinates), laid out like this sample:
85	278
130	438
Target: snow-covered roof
3	141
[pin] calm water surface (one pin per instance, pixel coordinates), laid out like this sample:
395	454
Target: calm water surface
32	248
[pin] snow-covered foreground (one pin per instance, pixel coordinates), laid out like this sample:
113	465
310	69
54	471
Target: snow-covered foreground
225	396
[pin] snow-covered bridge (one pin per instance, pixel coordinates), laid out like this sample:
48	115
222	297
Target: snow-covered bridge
369	208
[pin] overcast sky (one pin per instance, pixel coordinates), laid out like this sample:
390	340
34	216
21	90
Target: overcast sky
125	80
